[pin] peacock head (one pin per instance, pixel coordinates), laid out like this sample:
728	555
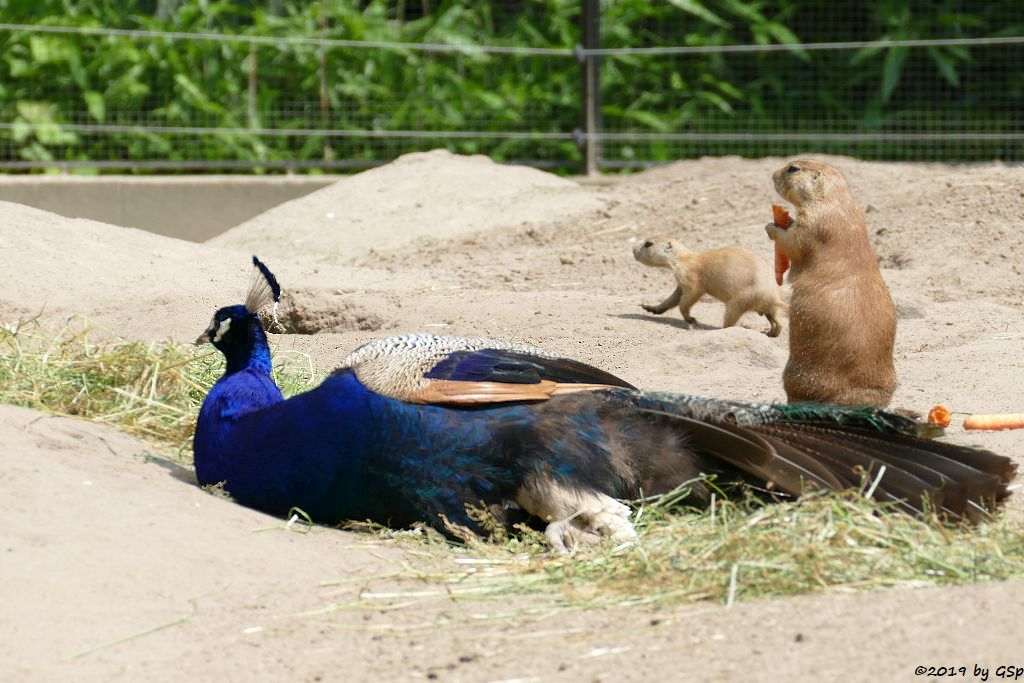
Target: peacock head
230	328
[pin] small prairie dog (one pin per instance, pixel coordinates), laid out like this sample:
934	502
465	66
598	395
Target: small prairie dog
842	323
736	276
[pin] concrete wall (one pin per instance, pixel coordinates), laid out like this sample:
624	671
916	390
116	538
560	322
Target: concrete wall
192	208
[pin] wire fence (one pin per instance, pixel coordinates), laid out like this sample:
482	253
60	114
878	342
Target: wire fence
659	84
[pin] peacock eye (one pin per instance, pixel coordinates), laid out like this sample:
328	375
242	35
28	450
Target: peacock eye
792	169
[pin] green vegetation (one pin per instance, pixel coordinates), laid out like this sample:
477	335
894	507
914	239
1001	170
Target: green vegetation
49	81
736	550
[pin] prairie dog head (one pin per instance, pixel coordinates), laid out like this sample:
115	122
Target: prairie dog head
658	251
805	181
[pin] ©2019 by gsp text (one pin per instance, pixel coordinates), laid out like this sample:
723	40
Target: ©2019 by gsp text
1005	672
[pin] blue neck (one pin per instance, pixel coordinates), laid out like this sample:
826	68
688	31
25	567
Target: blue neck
245	388
250	352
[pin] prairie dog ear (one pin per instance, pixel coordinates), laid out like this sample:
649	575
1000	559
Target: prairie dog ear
818	182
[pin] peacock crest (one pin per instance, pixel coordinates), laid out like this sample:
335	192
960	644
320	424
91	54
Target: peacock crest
263	289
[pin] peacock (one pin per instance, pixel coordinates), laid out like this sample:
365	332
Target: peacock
427	428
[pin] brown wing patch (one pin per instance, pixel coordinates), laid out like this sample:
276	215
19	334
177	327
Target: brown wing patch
453	392
573	387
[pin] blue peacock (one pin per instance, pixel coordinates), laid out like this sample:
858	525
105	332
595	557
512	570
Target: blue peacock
421	427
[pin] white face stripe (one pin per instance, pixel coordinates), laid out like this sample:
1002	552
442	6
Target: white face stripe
222	329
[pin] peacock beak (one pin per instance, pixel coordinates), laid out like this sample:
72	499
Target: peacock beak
204	338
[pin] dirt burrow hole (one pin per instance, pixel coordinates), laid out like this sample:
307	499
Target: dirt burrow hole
314	311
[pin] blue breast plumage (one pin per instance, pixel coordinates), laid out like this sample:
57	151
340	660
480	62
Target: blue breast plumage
418	427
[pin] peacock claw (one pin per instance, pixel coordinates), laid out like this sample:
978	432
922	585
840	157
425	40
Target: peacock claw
589	527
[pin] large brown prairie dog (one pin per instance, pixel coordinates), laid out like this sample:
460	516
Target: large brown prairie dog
842	322
736	276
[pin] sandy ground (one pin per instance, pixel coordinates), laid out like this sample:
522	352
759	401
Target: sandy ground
116	566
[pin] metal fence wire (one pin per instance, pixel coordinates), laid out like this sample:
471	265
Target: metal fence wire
560	84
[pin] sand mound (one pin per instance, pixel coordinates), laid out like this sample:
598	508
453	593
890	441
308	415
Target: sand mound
122	277
744	346
137	283
104	541
311	311
430	194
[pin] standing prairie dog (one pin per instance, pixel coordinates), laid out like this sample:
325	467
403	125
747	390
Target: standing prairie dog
842	322
736	276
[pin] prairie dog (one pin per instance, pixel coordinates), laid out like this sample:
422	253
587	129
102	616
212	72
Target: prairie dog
842	324
735	276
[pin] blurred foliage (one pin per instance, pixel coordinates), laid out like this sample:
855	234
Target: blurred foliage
48	81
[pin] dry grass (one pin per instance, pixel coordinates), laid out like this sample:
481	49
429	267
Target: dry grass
736	550
149	390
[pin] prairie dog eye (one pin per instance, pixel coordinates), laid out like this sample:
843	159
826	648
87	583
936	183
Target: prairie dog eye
648	244
792	169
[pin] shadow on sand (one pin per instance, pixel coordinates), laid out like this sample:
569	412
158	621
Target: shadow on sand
673	321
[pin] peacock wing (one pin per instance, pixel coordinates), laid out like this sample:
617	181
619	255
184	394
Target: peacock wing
437	369
827	446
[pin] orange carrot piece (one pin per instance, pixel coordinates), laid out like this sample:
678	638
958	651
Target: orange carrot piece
781	216
939	415
781	219
995	421
781	265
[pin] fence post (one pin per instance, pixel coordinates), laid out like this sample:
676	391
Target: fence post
590	92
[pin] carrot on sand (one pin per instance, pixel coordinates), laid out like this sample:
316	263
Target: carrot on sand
939	416
995	421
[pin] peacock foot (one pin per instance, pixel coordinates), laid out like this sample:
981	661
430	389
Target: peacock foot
589	526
